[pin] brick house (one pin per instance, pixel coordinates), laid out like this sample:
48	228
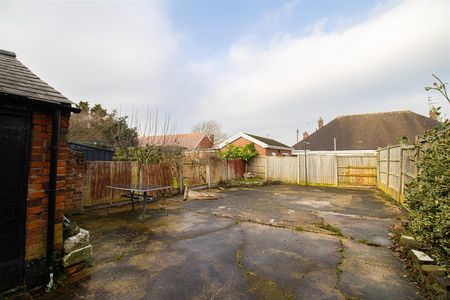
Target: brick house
264	145
188	141
34	119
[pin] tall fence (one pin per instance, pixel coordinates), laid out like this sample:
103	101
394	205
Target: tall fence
352	170
396	168
87	181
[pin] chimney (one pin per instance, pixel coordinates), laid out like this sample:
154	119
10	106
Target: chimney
305	135
433	113
320	123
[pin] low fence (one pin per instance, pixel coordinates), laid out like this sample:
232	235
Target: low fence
396	168
87	181
352	170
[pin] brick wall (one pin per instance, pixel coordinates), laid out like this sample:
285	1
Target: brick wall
75	173
38	183
205	143
277	152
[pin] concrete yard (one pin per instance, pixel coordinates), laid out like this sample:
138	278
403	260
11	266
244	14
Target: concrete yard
268	242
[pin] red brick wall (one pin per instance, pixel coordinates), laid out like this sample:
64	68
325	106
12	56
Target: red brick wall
242	142
269	152
38	183
205	143
75	172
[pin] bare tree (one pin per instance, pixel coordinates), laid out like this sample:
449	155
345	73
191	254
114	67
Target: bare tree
212	129
439	86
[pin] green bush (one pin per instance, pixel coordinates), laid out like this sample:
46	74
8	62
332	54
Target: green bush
427	196
245	153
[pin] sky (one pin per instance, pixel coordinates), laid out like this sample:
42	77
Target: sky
262	67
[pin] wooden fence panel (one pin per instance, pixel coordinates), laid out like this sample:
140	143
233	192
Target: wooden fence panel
396	169
358	170
321	169
282	168
257	166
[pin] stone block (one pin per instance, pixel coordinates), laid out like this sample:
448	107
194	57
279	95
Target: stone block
436	270
421	258
408	242
77	256
77	241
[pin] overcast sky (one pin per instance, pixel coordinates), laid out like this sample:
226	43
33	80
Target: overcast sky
264	67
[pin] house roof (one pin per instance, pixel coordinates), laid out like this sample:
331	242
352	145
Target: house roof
189	141
16	79
259	140
367	131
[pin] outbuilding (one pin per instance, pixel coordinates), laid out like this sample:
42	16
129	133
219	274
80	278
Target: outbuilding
34	120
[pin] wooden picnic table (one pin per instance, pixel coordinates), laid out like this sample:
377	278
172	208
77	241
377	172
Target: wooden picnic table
141	192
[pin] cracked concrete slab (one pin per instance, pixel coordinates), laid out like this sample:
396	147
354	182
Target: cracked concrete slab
225	249
374	273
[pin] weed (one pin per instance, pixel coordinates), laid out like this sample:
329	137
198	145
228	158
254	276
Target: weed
329	227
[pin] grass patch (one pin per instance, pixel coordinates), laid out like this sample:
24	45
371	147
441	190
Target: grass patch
121	256
239	254
368	243
329	227
298	228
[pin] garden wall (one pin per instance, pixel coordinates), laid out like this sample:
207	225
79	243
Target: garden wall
87	181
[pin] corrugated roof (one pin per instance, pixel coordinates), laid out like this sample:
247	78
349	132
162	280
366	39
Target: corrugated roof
367	131
16	79
186	140
268	141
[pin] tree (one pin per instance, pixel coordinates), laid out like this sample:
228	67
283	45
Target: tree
439	86
95	125
211	128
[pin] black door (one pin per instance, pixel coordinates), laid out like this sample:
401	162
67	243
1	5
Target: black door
14	143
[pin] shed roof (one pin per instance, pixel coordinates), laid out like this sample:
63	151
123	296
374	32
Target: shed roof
16	79
367	131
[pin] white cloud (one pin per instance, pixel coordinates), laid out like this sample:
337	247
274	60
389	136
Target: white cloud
123	54
129	54
379	64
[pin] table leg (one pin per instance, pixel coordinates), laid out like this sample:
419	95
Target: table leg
145	204
132	201
165	201
111	201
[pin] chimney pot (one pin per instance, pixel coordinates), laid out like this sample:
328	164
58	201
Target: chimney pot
320	123
305	135
433	113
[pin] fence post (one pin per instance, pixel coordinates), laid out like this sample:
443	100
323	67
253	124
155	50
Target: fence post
388	171
298	169
378	168
180	177
266	168
400	181
336	161
208	176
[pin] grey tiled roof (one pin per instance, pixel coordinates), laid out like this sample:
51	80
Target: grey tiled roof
268	141
367	131
16	79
